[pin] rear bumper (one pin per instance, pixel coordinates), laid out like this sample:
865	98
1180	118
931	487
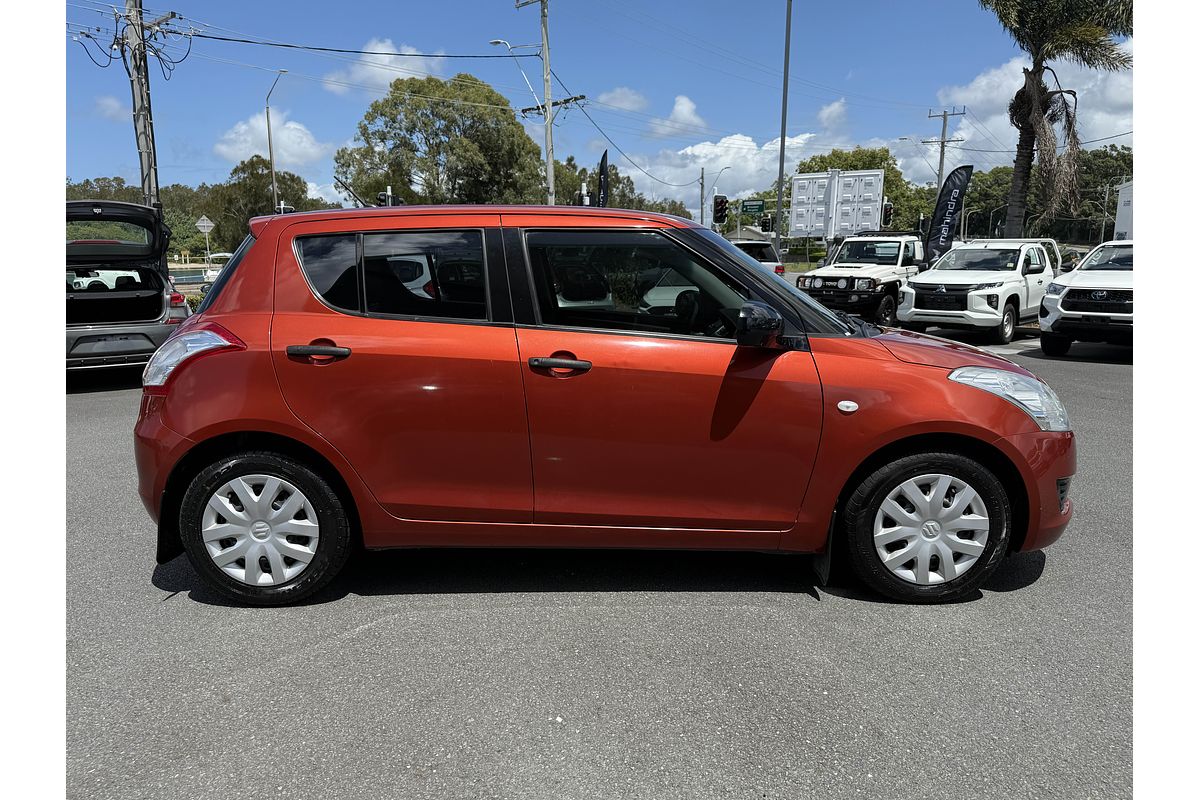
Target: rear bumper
156	451
1044	458
114	345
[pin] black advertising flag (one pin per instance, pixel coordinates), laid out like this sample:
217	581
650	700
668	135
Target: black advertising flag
602	187
946	212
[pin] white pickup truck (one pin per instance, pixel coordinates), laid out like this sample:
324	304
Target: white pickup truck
1093	303
991	285
864	276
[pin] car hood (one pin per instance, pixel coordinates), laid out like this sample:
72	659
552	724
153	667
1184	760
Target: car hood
932	351
960	277
851	270
1097	279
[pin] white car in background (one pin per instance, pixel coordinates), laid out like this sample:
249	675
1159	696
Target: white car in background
762	252
1093	303
991	285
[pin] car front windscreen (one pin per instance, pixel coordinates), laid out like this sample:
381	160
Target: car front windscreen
981	259
884	253
763	253
1110	257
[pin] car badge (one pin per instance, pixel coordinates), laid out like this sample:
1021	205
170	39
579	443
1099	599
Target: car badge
941	288
1100	295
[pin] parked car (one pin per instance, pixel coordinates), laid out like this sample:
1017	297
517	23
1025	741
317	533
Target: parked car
992	285
121	304
1093	303
214	264
311	405
762	252
863	275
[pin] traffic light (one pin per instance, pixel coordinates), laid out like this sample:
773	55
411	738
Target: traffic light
887	213
720	208
766	223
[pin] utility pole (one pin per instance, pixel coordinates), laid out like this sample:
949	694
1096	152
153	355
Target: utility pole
548	107
702	197
139	82
943	141
787	52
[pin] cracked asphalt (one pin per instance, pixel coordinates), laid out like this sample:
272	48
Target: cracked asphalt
569	674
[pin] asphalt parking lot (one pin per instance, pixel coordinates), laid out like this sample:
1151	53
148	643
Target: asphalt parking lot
560	674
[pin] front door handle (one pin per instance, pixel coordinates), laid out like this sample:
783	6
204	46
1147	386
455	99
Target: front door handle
318	352
572	364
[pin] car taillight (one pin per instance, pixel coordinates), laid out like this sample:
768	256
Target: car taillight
177	299
430	289
779	269
183	345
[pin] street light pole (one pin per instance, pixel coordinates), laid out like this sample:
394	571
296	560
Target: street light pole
966	221
270	146
991	215
787	52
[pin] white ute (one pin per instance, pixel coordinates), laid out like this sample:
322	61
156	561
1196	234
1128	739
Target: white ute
865	275
991	285
1093	303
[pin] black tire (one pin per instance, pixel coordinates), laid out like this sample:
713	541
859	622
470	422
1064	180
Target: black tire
1004	332
919	327
1054	344
859	524
885	315
333	545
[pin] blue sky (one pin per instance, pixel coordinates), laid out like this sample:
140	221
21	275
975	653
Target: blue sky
677	85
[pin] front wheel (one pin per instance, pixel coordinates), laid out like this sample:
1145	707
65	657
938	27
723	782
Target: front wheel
886	313
1003	333
264	529
927	528
1054	344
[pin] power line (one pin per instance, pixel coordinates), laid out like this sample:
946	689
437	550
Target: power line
1060	147
316	49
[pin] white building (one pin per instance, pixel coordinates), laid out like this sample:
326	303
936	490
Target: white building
1123	228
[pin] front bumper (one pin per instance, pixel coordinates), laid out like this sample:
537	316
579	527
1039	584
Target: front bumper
846	300
1045	459
114	345
978	313
1084	326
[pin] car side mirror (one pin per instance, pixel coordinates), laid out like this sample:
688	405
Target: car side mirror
1068	266
758	325
820	263
205	287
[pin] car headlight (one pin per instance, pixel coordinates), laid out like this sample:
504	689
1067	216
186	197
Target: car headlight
993	285
1055	289
1031	395
806	283
864	284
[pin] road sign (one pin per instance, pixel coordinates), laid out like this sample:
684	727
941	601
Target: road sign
752	206
205	225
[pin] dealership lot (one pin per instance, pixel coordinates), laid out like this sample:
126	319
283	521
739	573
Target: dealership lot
581	674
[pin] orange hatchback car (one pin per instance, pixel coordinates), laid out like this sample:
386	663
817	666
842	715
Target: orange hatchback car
567	377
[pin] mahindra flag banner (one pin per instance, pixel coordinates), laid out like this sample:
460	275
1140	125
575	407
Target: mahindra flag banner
946	212
602	182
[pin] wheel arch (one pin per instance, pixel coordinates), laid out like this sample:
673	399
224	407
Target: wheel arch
1014	300
209	450
986	454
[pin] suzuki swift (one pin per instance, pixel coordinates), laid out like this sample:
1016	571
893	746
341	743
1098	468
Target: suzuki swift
542	389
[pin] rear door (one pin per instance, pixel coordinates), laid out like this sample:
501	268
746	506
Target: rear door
645	415
419	387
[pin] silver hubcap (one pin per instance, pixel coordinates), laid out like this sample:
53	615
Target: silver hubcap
1009	323
260	530
931	529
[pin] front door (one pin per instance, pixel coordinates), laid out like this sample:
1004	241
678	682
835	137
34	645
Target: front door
643	410
389	342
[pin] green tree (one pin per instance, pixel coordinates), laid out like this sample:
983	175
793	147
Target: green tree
569	178
247	194
1082	31
443	141
114	188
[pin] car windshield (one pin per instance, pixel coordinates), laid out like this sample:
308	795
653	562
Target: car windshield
860	252
1110	257
833	322
982	259
759	251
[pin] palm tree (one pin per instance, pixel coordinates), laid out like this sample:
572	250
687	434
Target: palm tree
1083	31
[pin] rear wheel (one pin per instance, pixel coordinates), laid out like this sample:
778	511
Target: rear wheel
927	528
1054	344
264	529
886	313
1003	333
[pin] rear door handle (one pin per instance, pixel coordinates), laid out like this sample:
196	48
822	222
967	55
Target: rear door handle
560	363
317	351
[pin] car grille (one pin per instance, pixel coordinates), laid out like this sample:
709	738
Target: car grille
1100	301
941	301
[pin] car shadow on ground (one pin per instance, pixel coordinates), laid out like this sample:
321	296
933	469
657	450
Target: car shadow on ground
522	571
109	379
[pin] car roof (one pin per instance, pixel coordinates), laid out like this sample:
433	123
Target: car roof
630	215
1115	241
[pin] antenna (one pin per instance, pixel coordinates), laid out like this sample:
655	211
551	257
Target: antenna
346	186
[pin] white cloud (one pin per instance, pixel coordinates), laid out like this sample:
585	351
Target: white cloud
683	120
295	146
1105	108
113	109
376	72
833	116
624	98
329	192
